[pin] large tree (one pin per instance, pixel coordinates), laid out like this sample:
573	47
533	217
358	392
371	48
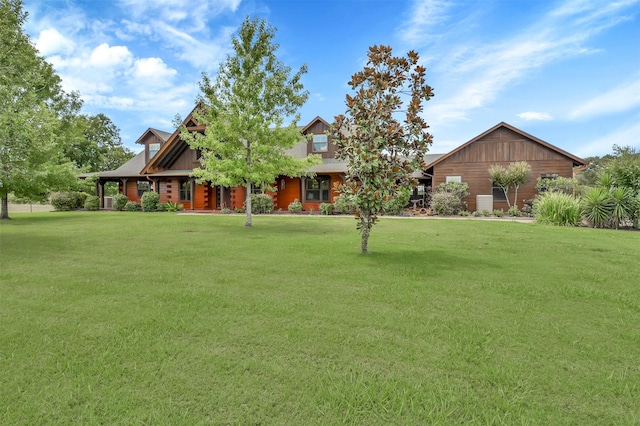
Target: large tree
95	144
245	141
33	108
383	141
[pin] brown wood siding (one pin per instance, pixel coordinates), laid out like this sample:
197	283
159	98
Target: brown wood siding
502	146
286	196
132	190
205	197
186	161
148	139
319	128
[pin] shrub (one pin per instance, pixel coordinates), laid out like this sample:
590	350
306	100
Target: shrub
514	211
597	207
557	208
62	201
260	203
295	206
326	208
119	201
560	184
397	204
162	207
343	204
92	203
132	206
477	214
80	198
464	213
226	210
498	213
448	198
486	213
150	201
173	207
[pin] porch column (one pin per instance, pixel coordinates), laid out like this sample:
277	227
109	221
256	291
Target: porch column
192	193
221	201
124	185
101	193
303	192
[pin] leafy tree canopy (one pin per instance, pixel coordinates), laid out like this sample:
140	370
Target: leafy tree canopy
244	110
383	142
514	176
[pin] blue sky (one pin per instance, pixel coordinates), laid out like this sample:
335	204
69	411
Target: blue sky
566	71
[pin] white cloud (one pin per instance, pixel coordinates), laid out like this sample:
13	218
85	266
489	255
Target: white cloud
425	16
106	56
626	135
621	98
50	42
153	68
532	115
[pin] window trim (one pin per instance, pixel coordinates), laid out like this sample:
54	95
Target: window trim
181	190
142	191
151	155
319	191
325	141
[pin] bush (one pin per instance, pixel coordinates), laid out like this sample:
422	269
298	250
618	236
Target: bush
477	213
62	201
295	206
597	207
343	204
396	205
92	203
132	206
568	186
486	213
514	211
119	201
150	201
448	198
80	199
162	207
260	203
173	207
498	213
464	213
557	208
326	208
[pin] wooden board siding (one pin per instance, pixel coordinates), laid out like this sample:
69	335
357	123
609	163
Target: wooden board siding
319	128
502	146
186	160
287	195
149	139
132	190
204	197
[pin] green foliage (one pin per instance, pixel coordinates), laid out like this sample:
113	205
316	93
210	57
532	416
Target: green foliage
173	207
34	111
343	204
477	213
486	213
261	203
150	201
464	213
559	184
597	207
63	201
557	208
92	203
447	200
245	142
514	176
383	141
119	201
396	205
498	213
326	209
80	199
132	206
514	211
295	206
162	207
624	168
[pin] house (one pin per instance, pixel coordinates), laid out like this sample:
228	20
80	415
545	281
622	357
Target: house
501	144
166	163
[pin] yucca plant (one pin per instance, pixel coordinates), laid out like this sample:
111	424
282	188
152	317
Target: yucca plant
597	207
624	205
557	208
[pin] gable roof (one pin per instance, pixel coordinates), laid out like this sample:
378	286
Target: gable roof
314	121
577	161
164	136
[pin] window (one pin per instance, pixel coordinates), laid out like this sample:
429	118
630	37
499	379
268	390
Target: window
153	149
185	190
457	179
143	186
498	194
320	143
317	189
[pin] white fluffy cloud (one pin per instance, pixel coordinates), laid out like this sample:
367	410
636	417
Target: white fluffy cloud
620	98
105	56
533	115
51	42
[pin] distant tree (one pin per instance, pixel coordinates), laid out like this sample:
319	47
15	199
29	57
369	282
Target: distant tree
514	176
383	143
33	108
244	110
624	168
95	144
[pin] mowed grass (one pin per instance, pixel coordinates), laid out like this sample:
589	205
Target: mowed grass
133	318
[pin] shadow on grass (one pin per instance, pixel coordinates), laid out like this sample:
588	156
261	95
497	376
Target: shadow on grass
436	262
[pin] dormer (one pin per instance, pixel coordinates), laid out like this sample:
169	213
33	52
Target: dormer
320	143
152	139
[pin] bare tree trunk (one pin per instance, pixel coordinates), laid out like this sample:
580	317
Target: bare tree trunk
366	230
247	204
4	210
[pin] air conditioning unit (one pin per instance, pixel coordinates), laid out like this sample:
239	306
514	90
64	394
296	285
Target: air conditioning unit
108	202
484	202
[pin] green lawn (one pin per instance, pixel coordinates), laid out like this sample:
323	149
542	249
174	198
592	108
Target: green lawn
134	318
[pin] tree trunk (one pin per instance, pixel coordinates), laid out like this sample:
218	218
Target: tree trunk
366	230
515	197
4	210
247	204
